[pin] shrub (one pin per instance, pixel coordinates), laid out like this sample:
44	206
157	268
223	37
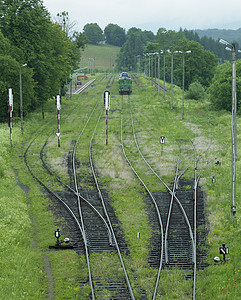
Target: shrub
196	91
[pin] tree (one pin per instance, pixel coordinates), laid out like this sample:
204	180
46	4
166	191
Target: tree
196	91
94	33
64	21
220	91
9	77
80	39
115	35
168	38
200	64
44	46
149	36
132	47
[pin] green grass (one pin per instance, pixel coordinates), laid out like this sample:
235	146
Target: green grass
27	223
104	55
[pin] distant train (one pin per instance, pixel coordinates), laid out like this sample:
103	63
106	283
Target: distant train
125	84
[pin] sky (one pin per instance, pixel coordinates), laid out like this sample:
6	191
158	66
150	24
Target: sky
151	14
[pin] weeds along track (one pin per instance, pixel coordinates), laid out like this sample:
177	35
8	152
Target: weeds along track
88	215
173	213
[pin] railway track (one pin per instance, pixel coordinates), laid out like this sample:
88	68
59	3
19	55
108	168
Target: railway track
93	225
83	87
175	225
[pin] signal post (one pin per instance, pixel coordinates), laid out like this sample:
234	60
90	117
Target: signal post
107	107
10	98
58	104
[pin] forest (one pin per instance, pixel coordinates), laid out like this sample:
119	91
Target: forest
46	52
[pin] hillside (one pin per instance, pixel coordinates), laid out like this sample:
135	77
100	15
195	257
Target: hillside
226	34
104	56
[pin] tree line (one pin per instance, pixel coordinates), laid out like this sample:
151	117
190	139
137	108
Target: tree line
50	51
41	48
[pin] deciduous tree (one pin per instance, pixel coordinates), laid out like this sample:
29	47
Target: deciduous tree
94	33
115	35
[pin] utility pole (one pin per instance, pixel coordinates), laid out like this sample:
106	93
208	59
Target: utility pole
10	95
183	78
21	96
232	48
107	107
58	104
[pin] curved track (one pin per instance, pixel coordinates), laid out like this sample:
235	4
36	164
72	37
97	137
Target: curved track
170	215
96	231
91	217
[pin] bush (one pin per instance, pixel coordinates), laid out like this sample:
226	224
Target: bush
196	91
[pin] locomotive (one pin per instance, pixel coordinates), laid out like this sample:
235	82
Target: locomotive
125	84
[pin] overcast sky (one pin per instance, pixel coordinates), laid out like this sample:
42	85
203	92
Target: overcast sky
151	14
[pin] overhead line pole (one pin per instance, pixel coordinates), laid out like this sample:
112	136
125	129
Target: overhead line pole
234	125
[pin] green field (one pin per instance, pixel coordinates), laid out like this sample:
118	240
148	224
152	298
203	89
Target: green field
104	56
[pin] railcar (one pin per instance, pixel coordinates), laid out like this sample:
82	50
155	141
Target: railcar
125	84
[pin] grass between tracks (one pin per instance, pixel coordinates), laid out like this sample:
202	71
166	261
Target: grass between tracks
29	270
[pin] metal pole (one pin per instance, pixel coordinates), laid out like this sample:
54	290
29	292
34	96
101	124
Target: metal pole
106	122
234	132
158	74
10	102
21	98
183	74
152	68
11	126
71	87
58	127
149	68
164	75
172	81
155	71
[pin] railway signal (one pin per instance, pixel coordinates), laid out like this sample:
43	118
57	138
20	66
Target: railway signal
162	141
223	250
107	107
58	104
57	235
10	99
65	244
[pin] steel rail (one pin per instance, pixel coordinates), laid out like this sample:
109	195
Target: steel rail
79	201
81	89
173	196
106	213
76	194
150	194
167	187
170	209
156	207
196	180
65	204
49	190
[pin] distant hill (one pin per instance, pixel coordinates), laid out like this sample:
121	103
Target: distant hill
226	34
